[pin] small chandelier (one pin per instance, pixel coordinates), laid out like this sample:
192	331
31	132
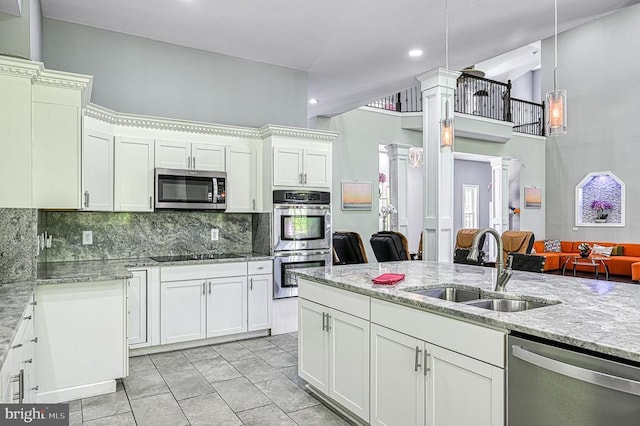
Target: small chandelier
556	106
446	124
416	157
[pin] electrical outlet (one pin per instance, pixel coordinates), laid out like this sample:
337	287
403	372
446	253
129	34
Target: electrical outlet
214	234
575	228
87	238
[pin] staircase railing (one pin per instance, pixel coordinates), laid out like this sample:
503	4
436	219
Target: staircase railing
476	96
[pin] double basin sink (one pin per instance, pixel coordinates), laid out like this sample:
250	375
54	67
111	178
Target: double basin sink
475	297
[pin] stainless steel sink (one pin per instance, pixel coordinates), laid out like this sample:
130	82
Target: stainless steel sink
508	305
452	294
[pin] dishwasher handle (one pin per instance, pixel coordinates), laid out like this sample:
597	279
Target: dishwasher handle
585	375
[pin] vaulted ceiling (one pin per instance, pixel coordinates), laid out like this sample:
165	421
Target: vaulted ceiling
353	51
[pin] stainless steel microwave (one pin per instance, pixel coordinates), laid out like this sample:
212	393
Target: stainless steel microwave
178	189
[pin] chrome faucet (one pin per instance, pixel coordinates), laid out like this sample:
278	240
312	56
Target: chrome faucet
504	274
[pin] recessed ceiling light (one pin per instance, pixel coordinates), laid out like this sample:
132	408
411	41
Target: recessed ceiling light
313	101
414	53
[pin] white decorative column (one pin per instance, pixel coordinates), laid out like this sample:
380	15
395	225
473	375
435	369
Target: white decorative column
398	179
437	86
499	198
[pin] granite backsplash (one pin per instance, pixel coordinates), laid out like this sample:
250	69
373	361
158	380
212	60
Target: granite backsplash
135	235
18	244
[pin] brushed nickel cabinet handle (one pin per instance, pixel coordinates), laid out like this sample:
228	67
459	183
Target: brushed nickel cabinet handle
209	287
417	361
86	198
194	162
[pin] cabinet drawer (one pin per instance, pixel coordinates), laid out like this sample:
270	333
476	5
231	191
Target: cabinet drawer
346	301
194	272
260	267
475	341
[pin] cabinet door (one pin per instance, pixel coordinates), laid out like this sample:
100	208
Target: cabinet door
15	149
317	168
349	362
287	166
241	179
259	302
97	171
207	157
456	381
226	306
137	308
172	154
397	386
56	156
313	344
133	175
182	311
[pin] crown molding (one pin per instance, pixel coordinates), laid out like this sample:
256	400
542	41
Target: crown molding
20	67
158	123
297	132
41	76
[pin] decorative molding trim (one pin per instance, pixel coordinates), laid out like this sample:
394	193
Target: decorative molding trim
157	123
39	75
296	132
20	67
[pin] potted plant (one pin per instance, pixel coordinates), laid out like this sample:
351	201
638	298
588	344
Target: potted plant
600	206
584	249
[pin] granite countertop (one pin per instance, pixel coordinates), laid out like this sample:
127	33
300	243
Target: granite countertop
15	297
602	316
100	270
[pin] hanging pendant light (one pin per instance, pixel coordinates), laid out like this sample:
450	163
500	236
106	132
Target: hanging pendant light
446	124
556	106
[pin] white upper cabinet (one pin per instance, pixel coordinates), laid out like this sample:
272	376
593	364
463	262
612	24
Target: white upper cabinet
55	138
134	175
242	179
97	171
15	148
187	155
301	167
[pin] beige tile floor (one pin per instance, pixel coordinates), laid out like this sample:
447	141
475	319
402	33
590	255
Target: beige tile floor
250	382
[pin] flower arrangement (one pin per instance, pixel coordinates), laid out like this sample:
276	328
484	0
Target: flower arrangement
382	178
584	249
600	206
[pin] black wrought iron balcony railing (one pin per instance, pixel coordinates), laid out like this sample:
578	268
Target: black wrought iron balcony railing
477	96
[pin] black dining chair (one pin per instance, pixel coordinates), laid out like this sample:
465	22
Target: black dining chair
389	246
348	249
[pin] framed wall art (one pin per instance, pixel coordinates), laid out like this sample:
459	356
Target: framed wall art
532	197
357	196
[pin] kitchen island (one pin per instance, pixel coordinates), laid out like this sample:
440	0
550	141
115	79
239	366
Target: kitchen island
454	353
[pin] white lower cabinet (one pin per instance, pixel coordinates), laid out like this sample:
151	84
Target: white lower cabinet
435	384
82	348
226	306
137	308
334	355
203	301
183	311
397	380
17	379
390	364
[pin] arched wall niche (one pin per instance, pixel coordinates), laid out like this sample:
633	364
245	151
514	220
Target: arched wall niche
600	200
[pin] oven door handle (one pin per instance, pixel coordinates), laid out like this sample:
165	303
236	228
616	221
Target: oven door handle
597	378
301	253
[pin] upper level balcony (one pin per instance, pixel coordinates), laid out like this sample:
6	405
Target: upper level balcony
477	96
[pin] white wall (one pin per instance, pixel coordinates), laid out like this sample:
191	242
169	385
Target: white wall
14	32
142	76
530	150
355	157
599	66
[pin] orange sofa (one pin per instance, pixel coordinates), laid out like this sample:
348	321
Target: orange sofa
618	265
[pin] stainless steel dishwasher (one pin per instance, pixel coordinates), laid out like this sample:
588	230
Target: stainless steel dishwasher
553	385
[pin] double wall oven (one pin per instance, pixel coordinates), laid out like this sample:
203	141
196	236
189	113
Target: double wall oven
301	235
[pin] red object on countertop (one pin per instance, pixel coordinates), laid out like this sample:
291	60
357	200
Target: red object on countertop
388	278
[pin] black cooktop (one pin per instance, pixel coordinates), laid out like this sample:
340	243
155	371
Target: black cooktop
205	256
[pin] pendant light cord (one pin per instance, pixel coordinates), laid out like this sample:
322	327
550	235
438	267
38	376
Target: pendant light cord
555	69
446	35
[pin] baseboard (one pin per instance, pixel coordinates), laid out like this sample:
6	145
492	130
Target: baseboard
196	343
76	392
337	408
